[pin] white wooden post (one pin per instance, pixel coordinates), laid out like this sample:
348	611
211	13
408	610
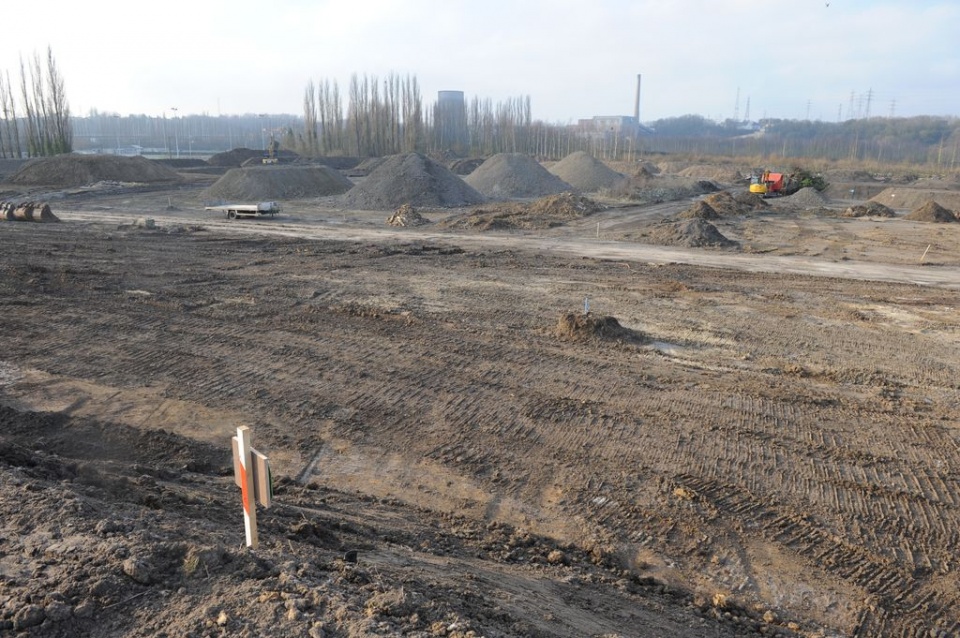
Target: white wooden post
246	485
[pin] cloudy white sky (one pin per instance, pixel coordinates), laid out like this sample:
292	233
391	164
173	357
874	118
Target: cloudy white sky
789	58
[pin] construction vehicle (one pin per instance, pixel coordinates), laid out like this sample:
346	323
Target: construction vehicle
771	184
235	211
272	150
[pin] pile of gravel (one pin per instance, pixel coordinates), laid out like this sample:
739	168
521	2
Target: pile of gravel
694	233
411	179
508	175
66	171
931	211
807	197
260	183
586	173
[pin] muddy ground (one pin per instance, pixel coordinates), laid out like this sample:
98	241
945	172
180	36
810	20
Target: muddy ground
774	453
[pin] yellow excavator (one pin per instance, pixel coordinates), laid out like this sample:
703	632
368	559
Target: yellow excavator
769	184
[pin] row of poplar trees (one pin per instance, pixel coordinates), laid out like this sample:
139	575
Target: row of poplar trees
385	117
35	114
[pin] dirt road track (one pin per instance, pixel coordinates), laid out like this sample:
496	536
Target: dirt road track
948	277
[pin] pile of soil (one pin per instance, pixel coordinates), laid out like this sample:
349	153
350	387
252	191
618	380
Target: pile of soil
27	212
869	209
700	210
407	215
693	233
586	173
65	171
807	197
931	212
714	173
412	179
235	157
750	201
278	182
508	175
586	327
546	212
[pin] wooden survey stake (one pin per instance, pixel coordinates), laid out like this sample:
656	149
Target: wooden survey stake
251	472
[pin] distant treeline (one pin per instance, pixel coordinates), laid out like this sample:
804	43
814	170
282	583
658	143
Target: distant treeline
916	140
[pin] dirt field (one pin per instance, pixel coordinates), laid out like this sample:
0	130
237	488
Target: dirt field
774	454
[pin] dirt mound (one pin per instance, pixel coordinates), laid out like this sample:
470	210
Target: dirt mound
508	175
234	157
869	209
546	212
694	233
27	212
407	215
465	166
700	210
79	170
807	197
909	198
586	173
412	179
278	182
712	172
931	212
586	327
751	201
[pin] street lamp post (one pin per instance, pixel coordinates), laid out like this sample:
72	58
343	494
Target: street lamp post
117	128
263	140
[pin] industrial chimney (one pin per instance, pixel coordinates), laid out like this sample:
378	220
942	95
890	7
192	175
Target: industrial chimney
636	105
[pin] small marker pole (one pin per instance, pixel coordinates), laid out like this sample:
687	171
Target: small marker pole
922	257
246	485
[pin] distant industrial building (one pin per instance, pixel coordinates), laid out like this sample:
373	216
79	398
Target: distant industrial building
451	121
616	125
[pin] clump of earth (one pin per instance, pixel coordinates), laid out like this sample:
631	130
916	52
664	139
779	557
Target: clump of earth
278	182
407	215
586	173
414	179
64	171
545	212
700	210
586	327
931	211
869	209
694	233
509	175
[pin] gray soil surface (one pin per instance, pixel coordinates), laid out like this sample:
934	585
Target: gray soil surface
758	442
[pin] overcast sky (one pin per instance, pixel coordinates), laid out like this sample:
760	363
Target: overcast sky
789	58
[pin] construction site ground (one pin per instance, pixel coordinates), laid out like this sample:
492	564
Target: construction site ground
773	452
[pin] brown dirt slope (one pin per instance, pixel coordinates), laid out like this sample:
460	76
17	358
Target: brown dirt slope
931	212
65	171
509	175
586	173
278	182
412	179
910	198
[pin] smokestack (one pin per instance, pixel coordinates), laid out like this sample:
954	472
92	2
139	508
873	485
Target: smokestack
636	105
